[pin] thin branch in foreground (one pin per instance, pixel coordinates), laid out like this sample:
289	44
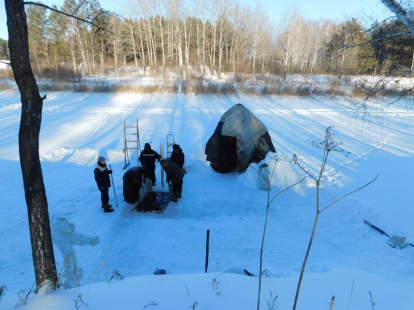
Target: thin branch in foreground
350	193
296	161
287	189
350	295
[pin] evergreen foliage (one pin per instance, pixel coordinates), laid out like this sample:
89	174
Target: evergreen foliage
4	49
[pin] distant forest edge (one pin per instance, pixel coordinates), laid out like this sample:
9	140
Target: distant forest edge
210	37
4	50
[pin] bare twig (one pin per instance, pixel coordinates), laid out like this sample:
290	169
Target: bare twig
187	288
371	297
329	145
269	202
73	16
350	193
151	304
332	303
350	295
284	190
79	302
78	7
296	161
116	275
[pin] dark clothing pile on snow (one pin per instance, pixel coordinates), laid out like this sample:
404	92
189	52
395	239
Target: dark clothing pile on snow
178	156
132	184
147	159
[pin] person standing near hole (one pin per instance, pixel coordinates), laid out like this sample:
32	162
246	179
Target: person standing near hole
103	182
174	175
177	156
147	159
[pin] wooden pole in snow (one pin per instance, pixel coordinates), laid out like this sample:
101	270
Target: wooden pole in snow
207	248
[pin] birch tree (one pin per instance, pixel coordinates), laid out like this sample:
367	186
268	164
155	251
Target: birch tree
31	118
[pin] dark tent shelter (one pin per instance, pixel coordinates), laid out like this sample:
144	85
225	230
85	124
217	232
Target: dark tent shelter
132	184
240	138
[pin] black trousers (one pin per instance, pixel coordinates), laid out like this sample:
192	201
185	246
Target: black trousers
177	188
104	195
150	175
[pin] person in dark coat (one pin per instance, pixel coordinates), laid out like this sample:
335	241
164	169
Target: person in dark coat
174	174
177	156
132	183
147	159
103	182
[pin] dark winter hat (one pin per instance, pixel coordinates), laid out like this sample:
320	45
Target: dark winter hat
147	146
176	147
101	158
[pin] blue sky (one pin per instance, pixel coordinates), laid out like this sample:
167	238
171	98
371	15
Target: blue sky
314	9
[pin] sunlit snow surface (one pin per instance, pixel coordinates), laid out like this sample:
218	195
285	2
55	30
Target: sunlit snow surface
347	256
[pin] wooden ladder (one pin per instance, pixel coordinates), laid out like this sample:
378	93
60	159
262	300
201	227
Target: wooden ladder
170	143
131	135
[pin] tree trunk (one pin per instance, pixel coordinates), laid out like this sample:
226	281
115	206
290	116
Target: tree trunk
204	47
142	47
154	41
134	47
73	54
412	64
116	57
162	42
32	103
102	59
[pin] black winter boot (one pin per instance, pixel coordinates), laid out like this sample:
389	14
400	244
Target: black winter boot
107	208
174	197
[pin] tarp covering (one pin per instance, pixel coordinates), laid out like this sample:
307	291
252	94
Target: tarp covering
239	139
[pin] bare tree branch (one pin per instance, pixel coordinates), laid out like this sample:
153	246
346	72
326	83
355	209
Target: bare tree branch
73	16
80	4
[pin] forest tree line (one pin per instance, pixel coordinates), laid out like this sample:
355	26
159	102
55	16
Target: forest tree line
207	36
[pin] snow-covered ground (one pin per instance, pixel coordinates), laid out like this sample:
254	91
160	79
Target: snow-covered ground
348	259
